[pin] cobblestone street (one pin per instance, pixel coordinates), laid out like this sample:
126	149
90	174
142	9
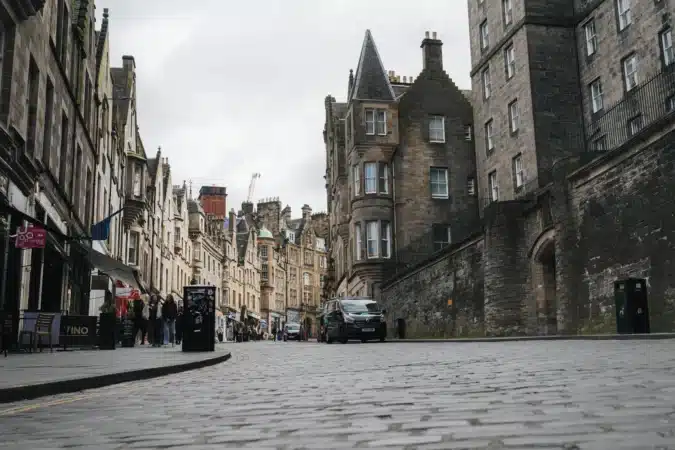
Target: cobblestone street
570	395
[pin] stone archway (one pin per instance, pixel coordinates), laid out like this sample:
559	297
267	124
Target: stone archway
544	280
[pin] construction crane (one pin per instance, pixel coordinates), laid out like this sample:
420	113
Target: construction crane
251	187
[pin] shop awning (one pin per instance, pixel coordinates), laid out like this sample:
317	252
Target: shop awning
114	268
253	315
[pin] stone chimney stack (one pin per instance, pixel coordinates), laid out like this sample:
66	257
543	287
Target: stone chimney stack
129	63
432	52
247	208
306	212
232	221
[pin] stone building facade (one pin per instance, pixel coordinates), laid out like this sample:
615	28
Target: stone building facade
208	244
297	255
400	172
49	150
576	179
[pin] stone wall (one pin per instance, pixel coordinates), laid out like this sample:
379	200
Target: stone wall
421	296
625	209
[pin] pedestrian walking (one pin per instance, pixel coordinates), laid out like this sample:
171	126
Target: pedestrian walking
140	322
169	315
155	317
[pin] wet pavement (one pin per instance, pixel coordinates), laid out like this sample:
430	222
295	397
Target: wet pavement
273	395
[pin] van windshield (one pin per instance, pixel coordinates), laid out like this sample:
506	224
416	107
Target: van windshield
360	306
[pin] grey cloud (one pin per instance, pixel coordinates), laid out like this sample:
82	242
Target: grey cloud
231	88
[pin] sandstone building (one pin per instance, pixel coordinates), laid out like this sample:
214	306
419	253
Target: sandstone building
574	167
295	264
400	174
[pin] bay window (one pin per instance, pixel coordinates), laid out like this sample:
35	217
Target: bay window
370	175
372	237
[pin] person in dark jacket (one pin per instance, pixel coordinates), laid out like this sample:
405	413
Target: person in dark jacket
156	321
169	315
140	321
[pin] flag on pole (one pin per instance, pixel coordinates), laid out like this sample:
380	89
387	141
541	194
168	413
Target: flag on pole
101	231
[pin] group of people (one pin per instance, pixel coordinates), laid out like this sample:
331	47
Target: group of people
158	322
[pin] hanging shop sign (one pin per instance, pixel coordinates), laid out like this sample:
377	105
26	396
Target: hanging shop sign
31	236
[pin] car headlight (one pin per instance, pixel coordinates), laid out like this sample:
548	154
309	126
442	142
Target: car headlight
348	318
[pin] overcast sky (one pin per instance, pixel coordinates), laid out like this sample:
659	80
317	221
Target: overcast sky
229	88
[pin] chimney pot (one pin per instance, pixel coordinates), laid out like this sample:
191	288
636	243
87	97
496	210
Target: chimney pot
434	35
426	34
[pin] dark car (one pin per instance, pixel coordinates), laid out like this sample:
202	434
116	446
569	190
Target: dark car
357	318
292	332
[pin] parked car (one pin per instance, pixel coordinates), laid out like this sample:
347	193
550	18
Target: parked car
292	332
359	318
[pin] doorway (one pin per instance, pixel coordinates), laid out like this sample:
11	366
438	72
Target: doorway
545	283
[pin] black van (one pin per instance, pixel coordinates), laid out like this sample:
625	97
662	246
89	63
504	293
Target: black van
359	318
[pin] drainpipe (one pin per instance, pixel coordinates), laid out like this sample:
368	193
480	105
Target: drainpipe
393	196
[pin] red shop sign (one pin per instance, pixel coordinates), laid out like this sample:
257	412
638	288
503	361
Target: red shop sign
31	237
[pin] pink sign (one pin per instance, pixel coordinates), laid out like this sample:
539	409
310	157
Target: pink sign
31	237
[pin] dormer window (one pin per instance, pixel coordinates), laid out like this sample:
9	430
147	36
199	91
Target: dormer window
376	122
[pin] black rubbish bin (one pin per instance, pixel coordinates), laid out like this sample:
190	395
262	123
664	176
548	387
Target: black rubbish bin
107	331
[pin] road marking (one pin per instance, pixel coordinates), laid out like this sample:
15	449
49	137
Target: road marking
63	401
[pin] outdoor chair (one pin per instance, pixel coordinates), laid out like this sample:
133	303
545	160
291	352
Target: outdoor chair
43	328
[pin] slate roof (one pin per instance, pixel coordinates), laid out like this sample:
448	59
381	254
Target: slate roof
371	80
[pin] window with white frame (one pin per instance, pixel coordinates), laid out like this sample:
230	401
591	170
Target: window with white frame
381	121
370	177
356	175
590	38
489	135
518	172
484	35
132	255
623	9
372	238
468	133
441	236
493	186
514	116
384	178
438	179
471	186
138	178
376	121
358	241
667	47
263	251
630	72
437	129
290	235
385	245
507	7
510	61
370	121
487	82
634	125
597	102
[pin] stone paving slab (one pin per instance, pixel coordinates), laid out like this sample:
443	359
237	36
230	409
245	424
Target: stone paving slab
566	395
32	375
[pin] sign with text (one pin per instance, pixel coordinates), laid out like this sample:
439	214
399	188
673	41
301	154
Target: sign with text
31	237
78	331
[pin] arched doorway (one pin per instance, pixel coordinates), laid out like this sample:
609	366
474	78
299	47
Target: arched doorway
544	280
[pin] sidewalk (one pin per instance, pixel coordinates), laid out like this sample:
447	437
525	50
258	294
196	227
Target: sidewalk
557	337
32	375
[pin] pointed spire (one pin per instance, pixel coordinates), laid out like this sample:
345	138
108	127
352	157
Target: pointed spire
371	80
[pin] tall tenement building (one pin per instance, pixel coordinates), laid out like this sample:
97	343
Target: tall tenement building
573	142
400	168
